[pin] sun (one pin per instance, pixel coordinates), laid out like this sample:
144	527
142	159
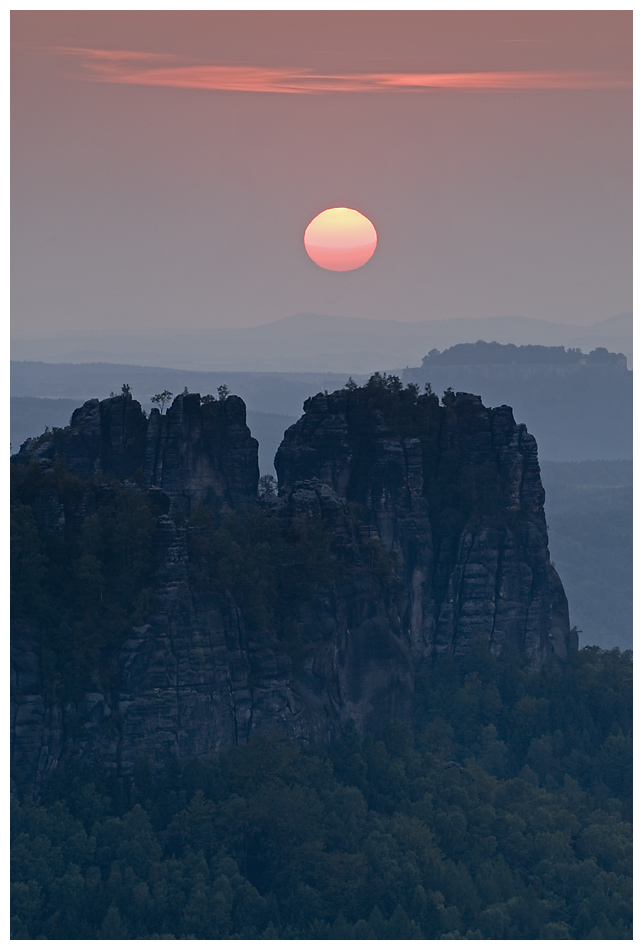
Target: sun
340	239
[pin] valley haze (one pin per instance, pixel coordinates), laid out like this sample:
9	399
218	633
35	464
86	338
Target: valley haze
311	342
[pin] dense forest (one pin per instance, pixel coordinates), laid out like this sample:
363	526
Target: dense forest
503	814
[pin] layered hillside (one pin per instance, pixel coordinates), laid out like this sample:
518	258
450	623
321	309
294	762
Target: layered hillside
162	607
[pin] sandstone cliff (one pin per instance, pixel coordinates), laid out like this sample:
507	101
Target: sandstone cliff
455	490
402	529
195	452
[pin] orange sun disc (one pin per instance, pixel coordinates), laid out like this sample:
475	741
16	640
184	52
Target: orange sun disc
340	239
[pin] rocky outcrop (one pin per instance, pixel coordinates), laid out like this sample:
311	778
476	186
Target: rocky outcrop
437	537
37	735
194	679
455	491
191	680
195	452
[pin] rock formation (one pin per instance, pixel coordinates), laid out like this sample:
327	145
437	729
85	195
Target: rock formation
455	490
195	452
434	524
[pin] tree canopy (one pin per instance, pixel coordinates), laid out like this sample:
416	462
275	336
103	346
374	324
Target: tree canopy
503	814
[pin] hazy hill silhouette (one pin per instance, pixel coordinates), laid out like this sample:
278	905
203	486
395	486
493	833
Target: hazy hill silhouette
308	342
578	405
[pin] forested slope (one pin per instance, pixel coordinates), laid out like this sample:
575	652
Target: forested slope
504	814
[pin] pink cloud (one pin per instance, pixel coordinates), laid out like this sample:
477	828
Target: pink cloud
134	68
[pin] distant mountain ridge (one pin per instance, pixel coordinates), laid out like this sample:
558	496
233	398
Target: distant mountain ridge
308	342
503	354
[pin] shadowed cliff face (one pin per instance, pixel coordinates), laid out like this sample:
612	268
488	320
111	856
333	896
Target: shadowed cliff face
402	529
455	491
205	669
194	452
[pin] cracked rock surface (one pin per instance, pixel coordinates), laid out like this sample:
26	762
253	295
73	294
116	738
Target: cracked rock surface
451	492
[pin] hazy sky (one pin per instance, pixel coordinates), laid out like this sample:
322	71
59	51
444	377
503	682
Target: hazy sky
166	164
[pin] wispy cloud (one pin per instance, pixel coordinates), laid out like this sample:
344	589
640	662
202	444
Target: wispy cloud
155	69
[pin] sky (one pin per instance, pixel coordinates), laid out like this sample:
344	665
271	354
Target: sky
166	164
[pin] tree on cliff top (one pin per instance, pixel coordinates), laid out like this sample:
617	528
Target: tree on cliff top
162	398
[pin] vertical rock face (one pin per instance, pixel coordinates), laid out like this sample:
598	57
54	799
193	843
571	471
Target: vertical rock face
359	665
203	452
433	520
455	491
195	452
191	680
197	679
37	737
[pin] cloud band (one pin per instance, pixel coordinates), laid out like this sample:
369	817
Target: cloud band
152	69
